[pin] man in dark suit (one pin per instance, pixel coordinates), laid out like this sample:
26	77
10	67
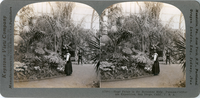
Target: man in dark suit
167	56
80	59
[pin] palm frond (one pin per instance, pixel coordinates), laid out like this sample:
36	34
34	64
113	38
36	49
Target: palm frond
94	45
97	67
180	50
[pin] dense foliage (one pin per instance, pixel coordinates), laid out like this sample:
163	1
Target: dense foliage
132	39
125	49
43	36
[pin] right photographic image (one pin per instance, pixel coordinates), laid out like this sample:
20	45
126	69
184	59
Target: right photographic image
142	46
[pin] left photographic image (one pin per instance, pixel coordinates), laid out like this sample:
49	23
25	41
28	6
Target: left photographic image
56	45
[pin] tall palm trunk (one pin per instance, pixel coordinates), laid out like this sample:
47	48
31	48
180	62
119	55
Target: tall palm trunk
91	27
55	43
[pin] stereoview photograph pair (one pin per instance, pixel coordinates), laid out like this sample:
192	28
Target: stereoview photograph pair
100	48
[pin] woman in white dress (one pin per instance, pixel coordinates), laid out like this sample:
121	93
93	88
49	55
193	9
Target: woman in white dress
66	56
155	67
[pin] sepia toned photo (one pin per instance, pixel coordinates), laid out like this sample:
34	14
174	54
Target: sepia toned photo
139	44
143	46
53	46
99	48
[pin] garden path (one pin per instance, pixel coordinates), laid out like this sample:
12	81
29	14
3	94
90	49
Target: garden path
168	77
82	77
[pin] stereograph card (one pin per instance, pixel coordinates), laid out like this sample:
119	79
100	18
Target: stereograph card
100	48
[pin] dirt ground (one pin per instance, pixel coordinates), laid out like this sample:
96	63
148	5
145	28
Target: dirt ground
82	77
168	77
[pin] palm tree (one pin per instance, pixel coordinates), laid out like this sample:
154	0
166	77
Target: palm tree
25	25
95	16
149	23
179	50
111	14
96	51
54	26
61	18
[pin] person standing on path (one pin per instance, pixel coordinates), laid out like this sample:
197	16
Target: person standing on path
155	67
167	56
66	56
80	59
